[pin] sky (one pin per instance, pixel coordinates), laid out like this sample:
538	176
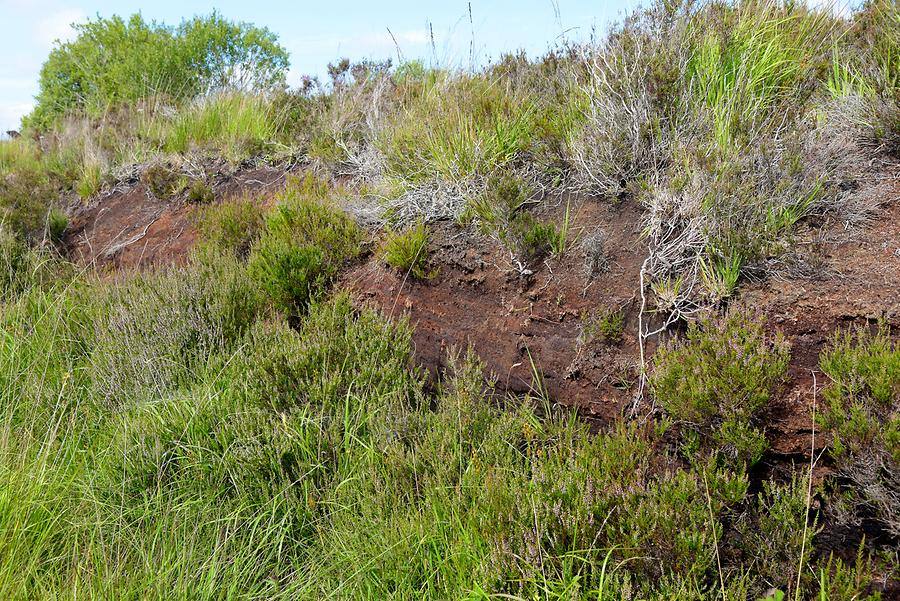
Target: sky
314	33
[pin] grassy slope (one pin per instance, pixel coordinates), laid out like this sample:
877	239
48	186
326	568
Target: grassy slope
231	430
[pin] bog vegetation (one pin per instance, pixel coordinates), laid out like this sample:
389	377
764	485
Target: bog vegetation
234	428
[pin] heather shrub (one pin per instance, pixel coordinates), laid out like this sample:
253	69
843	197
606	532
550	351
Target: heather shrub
25	198
154	333
289	274
718	380
304	242
232	226
776	535
862	412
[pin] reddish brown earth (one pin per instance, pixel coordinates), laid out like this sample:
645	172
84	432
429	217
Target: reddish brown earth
858	284
128	227
519	324
477	299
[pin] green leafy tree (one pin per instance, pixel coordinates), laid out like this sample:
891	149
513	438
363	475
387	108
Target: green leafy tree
114	61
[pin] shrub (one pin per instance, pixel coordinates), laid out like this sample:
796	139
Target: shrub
631	103
862	411
155	333
304	242
231	226
289	275
407	251
500	210
25	198
718	380
321	367
775	536
162	180
587	509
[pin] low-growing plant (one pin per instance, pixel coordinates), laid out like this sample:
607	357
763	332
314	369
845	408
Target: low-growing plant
840	579
407	251
718	380
456	128
304	241
154	334
862	411
57	222
199	192
720	276
162	180
289	274
233	225
90	181
776	538
504	195
236	125
531	239
608	324
22	266
25	198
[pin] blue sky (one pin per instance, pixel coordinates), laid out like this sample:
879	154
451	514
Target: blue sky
314	33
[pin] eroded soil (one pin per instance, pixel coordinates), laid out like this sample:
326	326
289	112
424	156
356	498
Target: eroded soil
521	323
129	227
532	330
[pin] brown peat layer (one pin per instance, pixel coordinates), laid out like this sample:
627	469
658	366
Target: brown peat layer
532	330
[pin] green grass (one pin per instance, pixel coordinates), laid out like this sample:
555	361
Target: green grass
234	429
18	154
455	128
169	436
759	67
407	251
607	324
235	125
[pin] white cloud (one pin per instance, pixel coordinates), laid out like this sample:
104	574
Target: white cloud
58	26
